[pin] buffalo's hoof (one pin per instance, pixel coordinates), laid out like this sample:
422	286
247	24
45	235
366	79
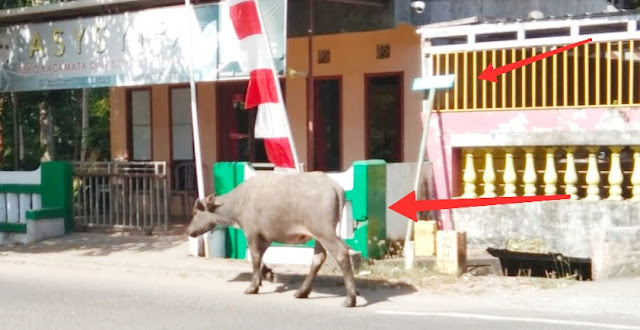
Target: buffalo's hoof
302	294
349	302
268	276
251	290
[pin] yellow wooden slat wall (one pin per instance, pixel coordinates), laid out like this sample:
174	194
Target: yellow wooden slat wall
592	75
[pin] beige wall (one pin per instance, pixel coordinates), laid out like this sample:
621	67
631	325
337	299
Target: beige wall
161	123
352	56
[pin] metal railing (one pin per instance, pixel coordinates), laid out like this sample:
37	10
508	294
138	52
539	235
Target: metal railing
596	74
121	194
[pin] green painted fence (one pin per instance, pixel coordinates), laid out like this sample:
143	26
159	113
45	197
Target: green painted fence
55	190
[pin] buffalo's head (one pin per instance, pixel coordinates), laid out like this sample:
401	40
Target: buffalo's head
204	217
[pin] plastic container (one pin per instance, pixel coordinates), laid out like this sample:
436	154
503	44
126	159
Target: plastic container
215	243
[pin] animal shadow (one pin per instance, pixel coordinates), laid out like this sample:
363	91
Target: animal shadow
372	290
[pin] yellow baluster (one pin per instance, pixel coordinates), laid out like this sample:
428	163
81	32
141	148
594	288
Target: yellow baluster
469	177
635	177
593	176
489	176
509	177
571	175
550	174
529	178
615	175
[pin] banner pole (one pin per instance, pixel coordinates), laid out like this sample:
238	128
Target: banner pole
194	108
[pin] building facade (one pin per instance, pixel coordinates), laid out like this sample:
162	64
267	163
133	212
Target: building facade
363	107
566	124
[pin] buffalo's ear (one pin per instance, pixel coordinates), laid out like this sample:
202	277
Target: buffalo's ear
198	205
211	203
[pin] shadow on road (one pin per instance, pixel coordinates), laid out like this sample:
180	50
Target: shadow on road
101	243
373	290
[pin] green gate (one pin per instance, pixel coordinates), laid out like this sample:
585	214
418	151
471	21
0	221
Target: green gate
368	204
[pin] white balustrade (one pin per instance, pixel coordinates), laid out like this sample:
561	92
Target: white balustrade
3	207
14	206
25	204
36	201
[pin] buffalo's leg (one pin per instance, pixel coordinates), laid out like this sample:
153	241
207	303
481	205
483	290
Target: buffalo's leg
319	255
257	247
340	252
267	273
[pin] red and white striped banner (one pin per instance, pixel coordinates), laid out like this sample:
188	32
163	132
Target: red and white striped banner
263	90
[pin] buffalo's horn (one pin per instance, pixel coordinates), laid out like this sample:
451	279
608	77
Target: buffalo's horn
198	204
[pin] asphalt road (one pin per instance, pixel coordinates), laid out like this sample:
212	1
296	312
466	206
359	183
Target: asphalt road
50	297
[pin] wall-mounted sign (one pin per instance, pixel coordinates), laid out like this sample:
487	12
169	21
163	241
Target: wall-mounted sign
134	48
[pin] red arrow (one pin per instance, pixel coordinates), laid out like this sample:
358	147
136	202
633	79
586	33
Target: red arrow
491	74
409	206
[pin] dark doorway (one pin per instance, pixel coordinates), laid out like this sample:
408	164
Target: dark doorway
327	125
236	125
383	101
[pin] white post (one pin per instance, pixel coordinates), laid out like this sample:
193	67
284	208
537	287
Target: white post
195	244
194	107
423	84
427	70
408	244
3	207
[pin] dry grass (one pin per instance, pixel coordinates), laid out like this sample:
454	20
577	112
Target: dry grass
427	279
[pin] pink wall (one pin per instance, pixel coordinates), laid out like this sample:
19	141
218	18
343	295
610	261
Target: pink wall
446	160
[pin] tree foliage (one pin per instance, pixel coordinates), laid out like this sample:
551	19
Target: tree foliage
66	111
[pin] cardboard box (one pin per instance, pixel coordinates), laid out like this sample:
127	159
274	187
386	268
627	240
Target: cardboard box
425	238
451	252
